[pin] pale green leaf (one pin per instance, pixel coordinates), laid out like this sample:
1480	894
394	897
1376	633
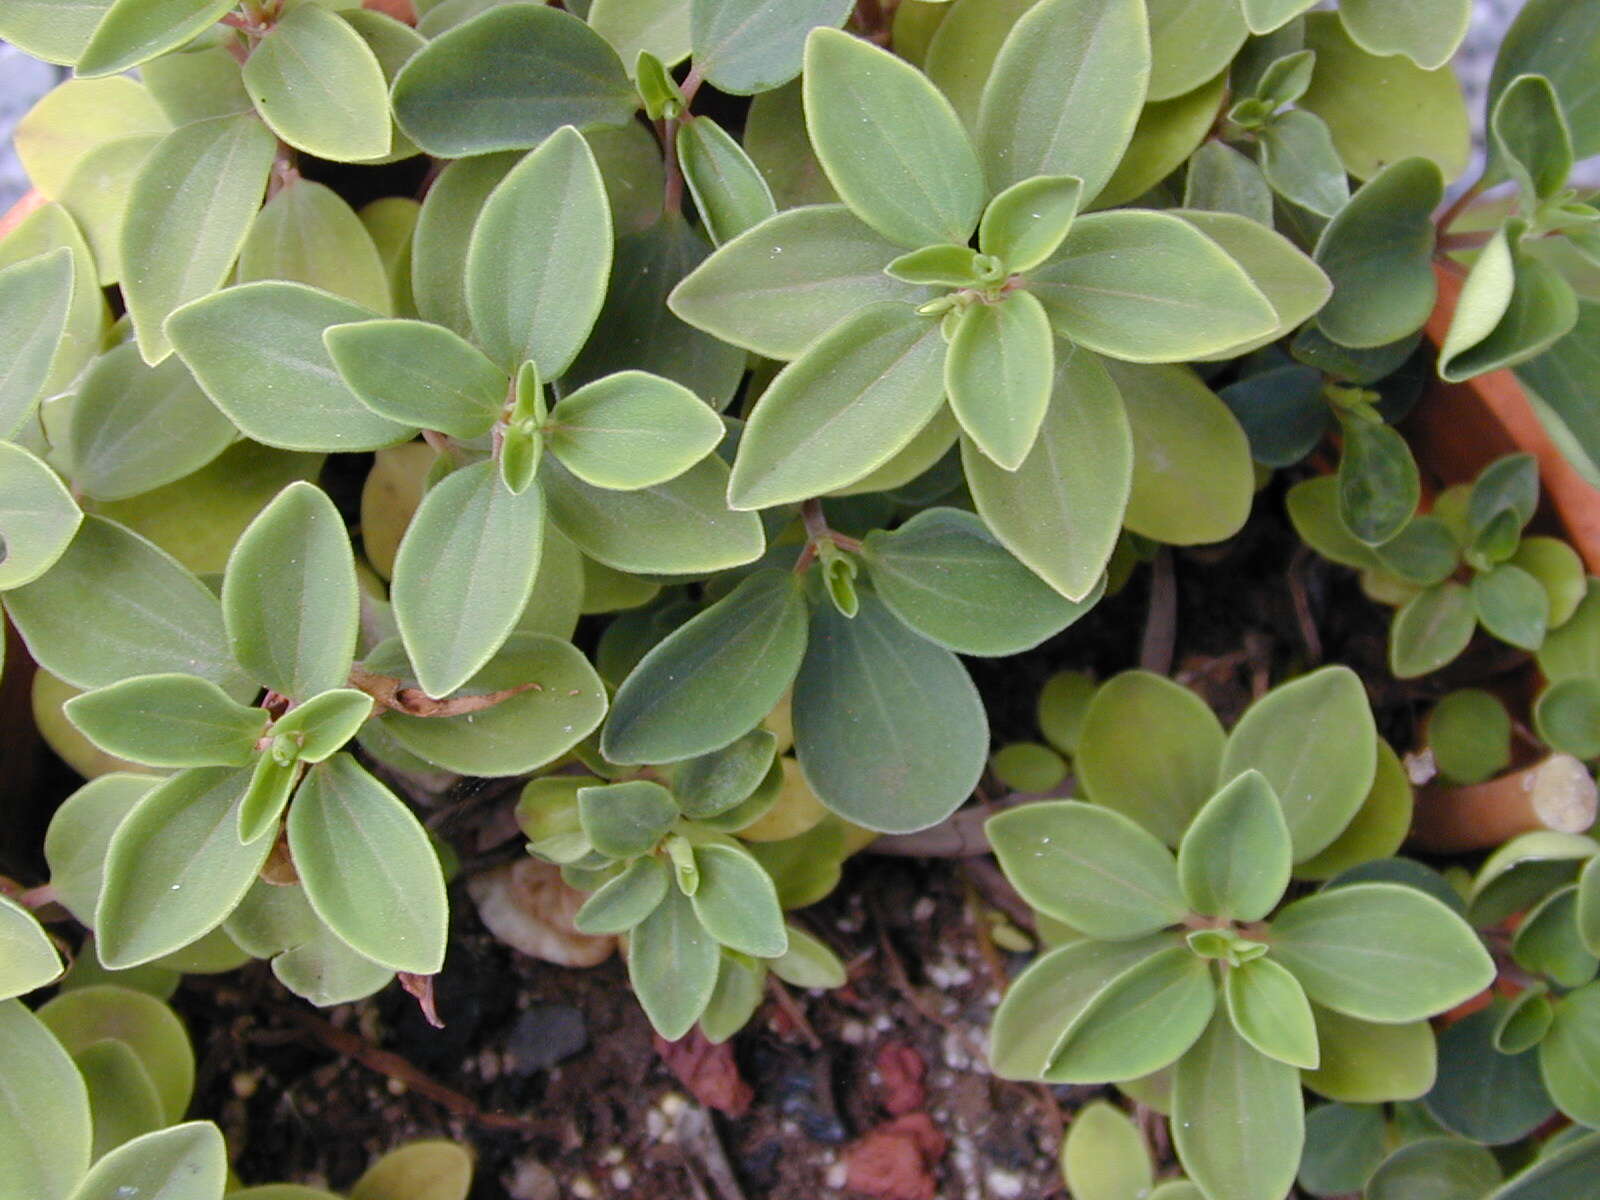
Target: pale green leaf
507	79
1234	857
38	517
319	86
289	596
737	903
28	958
1061	510
189	210
168	721
1066	92
890	143
1299	160
728	190
1143	1021
368	867
308	234
183	1162
631	430
855	398
135	31
998	374
1090	867
463	574
622	902
175	867
1269	1010
1104	1156
418	373
540	256
659	26
1431	630
35	299
1426	31
888	727
749	46
45	1133
1191	42
672	964
1025	224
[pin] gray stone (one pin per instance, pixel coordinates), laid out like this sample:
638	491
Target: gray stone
543	1036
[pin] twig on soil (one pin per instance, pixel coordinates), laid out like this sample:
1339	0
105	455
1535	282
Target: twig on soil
697	1130
1302	604
1161	625
792	1010
395	1067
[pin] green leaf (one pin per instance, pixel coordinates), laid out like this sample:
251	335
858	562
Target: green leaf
435	1169
1569	1056
998	373
808	963
1357	93
681	527
1025	224
625	820
714	783
201	82
1234	858
1300	161
741	988
1567	717
857	396
540	256
890	143
1431	630
463	574
184	1162
888	727
1558	569
1315	742
547	811
1513	308
1090	867
637	330
45	1134
1588	916
1379	486
778	287
1344	1142
319	86
114	605
135	31
623	901
1435	1168
1481	1093
51	30
1149	749
49	228
289	596
418	373
1548	942
1270	1011
507	79
749	46
1060	512
81	829
1167	135
658	26
1222	179
1066	92
272	780
175	867
122	1099
728	190
1148	287
1426	31
1191	43
368	867
1238	1119
35	298
308	234
1423	553
134	428
257	351
713	679
1050	995
631	430
1428	961
945	575
672	964
1192	476
1469	733
443	232
1104	1156
1530	137
1378	251
322	724
38	517
1560	41
1142	1021
168	721
189	210
737	903
1562	1171
1363	1063
1511	605
30	959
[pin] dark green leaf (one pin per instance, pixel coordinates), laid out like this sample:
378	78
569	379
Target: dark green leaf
1299	161
625	820
1379	486
748	46
737	903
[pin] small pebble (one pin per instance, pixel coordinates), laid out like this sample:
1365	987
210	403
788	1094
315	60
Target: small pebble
544	1035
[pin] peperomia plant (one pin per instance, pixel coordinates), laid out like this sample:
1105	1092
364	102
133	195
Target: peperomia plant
1466	563
1195	961
665	866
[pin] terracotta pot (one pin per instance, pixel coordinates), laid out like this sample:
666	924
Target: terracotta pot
1458	428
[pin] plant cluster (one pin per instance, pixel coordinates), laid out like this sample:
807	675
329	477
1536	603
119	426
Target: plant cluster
651	402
